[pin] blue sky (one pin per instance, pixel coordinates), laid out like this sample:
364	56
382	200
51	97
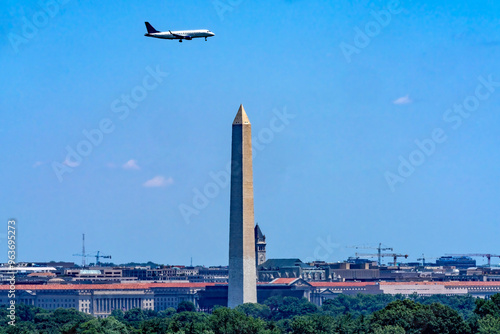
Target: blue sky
320	175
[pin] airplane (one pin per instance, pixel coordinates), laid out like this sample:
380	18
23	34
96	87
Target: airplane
180	35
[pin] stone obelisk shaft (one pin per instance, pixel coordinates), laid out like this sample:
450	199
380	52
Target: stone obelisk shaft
242	271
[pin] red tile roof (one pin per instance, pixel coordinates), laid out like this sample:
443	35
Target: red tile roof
340	284
449	283
139	286
117	286
284	280
41	275
361	284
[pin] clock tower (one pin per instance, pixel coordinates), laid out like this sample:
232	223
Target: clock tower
260	246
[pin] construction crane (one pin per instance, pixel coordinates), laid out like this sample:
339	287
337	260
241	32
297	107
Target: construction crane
98	256
488	256
83	255
423	259
393	255
379	249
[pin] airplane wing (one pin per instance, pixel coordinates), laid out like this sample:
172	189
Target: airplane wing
180	36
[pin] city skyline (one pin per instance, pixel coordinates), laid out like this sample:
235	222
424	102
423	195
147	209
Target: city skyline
355	92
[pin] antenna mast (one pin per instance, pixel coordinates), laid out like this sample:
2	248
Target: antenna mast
83	250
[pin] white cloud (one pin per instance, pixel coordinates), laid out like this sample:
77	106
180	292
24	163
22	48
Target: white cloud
131	164
403	100
158	181
70	163
38	164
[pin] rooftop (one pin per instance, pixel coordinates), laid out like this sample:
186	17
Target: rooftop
282	263
285	281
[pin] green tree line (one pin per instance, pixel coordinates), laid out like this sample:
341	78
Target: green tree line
377	314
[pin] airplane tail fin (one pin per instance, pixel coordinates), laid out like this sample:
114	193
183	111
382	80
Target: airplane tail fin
150	28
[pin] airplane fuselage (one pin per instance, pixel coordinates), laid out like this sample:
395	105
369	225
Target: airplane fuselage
181	34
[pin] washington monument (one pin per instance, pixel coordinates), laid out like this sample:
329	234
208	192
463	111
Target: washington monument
242	271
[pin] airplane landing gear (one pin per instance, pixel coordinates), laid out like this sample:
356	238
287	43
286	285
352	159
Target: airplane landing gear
206	39
180	41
